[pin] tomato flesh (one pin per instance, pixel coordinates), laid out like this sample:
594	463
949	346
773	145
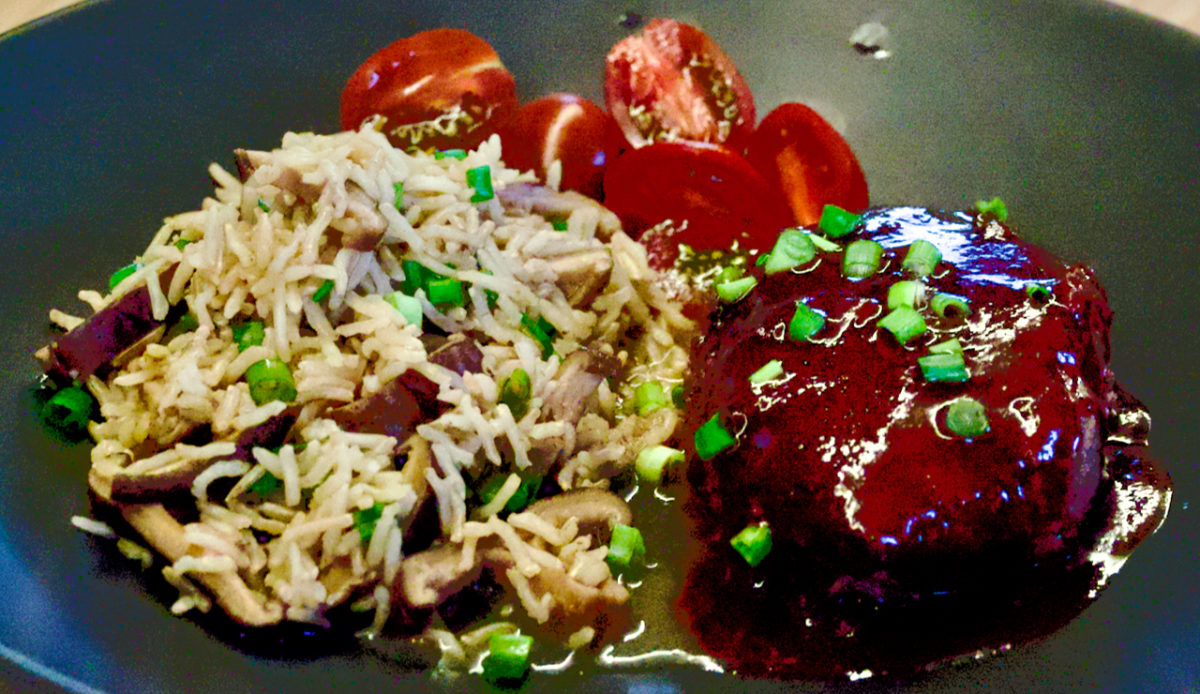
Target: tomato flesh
673	82
715	190
567	128
437	89
809	161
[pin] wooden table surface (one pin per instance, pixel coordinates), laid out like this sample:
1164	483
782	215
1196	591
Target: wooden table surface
1185	13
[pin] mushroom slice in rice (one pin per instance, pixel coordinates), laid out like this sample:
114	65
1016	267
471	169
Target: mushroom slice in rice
430	577
165	535
583	275
526	198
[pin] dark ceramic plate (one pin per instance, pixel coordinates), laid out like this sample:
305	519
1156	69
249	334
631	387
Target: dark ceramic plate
1085	119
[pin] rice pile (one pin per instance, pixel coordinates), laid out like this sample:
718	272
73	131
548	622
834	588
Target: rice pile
279	537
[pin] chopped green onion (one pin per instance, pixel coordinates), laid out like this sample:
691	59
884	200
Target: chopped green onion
525	492
753	543
270	380
792	249
558	224
480	178
182	243
248	334
967	417
626	550
264	205
678	397
945	304
264	486
994	208
507	661
542	331
490	294
118	276
729	273
951	346
398	194
408	306
837	222
861	259
69	410
762	260
943	367
735	290
515	391
823	244
652	462
186	323
805	323
323	292
904	323
922	258
416	276
904	293
649	396
446	292
768	372
365	520
713	438
1039	293
459	154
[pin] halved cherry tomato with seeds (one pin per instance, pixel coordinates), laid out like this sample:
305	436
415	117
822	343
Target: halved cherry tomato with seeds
672	82
570	129
715	190
438	89
806	158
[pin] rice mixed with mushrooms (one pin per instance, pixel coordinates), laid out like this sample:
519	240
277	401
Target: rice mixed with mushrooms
419	337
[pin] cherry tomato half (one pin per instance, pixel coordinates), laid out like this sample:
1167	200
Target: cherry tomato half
673	82
805	157
715	190
438	89
569	128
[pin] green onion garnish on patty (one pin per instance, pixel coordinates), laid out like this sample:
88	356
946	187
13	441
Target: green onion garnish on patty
837	222
904	323
994	208
944	367
922	258
792	249
967	417
945	305
904	293
805	323
862	259
735	290
767	372
712	438
753	543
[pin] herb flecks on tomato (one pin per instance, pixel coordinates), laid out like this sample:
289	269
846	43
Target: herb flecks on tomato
673	82
801	154
566	128
437	89
722	199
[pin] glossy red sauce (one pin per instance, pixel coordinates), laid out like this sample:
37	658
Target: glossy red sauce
898	544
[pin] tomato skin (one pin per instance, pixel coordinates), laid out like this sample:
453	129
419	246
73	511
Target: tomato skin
449	81
722	198
569	128
673	82
809	161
